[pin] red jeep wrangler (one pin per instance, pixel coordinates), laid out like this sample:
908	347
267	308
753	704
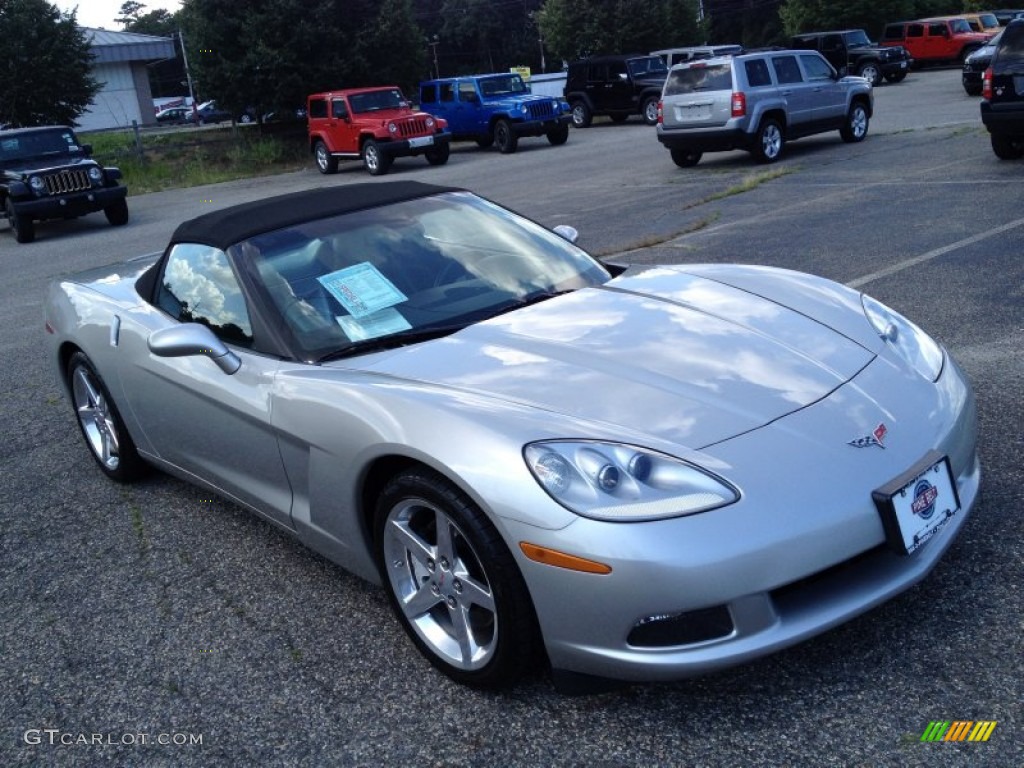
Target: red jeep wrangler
376	124
934	40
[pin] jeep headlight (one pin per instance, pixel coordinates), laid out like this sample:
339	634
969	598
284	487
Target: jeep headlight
38	185
392	128
623	483
96	174
430	123
908	341
524	109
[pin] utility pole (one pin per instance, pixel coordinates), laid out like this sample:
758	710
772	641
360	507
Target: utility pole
188	77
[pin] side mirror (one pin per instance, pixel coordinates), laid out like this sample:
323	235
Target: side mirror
566	232
191	339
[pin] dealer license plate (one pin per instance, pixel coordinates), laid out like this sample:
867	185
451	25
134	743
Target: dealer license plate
916	505
422	141
903	65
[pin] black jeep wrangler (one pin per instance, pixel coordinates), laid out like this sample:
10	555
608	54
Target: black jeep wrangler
851	52
45	173
617	86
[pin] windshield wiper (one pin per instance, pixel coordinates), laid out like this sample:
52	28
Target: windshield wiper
399	339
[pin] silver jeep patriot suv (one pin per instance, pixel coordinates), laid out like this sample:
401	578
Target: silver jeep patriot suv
758	102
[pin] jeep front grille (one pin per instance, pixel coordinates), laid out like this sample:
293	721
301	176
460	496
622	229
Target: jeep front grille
416	126
543	110
66	181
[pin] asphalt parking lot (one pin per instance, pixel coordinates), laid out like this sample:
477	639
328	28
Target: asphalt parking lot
183	631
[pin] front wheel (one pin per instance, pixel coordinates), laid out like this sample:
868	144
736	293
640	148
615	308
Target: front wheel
1008	147
325	161
582	117
649	110
769	141
117	213
22	226
101	423
505	138
856	126
559	135
870	71
376	162
438	155
452	582
685	158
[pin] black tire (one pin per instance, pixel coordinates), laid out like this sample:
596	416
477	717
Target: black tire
1007	147
23	227
770	141
465	579
101	424
619	117
582	117
897	77
325	161
685	158
558	136
856	126
438	155
974	90
870	70
649	110
504	137
377	163
486	142
117	213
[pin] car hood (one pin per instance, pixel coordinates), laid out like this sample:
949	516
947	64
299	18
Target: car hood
674	355
512	102
34	164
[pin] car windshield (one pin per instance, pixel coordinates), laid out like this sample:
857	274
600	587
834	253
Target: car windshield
21	146
503	86
857	38
410	271
375	101
648	66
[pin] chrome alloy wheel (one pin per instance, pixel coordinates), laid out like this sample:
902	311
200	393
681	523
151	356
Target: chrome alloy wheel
858	122
98	424
771	141
440	584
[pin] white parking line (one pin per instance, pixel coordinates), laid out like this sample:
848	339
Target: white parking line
915	260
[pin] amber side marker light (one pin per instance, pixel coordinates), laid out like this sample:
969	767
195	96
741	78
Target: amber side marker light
561	559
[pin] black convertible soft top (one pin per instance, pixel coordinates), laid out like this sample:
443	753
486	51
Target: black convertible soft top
226	227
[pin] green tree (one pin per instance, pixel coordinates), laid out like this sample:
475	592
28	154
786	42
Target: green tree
45	65
130	10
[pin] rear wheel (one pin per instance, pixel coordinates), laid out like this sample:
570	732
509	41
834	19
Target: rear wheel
117	213
1008	147
856	126
505	138
22	226
685	158
769	141
452	582
376	162
558	135
101	423
649	110
325	161
582	117
438	155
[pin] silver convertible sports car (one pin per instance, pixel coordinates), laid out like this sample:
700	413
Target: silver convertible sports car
630	474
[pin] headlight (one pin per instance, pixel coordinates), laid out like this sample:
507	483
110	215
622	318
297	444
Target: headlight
623	483
38	185
96	174
430	123
524	109
906	339
392	128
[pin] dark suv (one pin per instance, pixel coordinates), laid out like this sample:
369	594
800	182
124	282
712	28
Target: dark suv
617	86
1002	91
45	173
851	52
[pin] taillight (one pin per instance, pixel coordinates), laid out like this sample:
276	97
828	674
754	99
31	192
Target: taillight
739	104
986	84
661	114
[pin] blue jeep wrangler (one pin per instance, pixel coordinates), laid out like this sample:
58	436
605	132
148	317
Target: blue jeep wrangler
495	109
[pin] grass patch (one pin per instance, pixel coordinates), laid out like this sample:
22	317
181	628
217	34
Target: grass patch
192	157
753	181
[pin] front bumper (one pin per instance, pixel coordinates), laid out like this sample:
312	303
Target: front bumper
541	127
414	146
895	67
70	205
802	551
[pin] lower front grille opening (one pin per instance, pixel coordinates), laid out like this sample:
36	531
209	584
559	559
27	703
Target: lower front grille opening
687	628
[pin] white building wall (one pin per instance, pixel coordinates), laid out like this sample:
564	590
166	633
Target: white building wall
117	103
